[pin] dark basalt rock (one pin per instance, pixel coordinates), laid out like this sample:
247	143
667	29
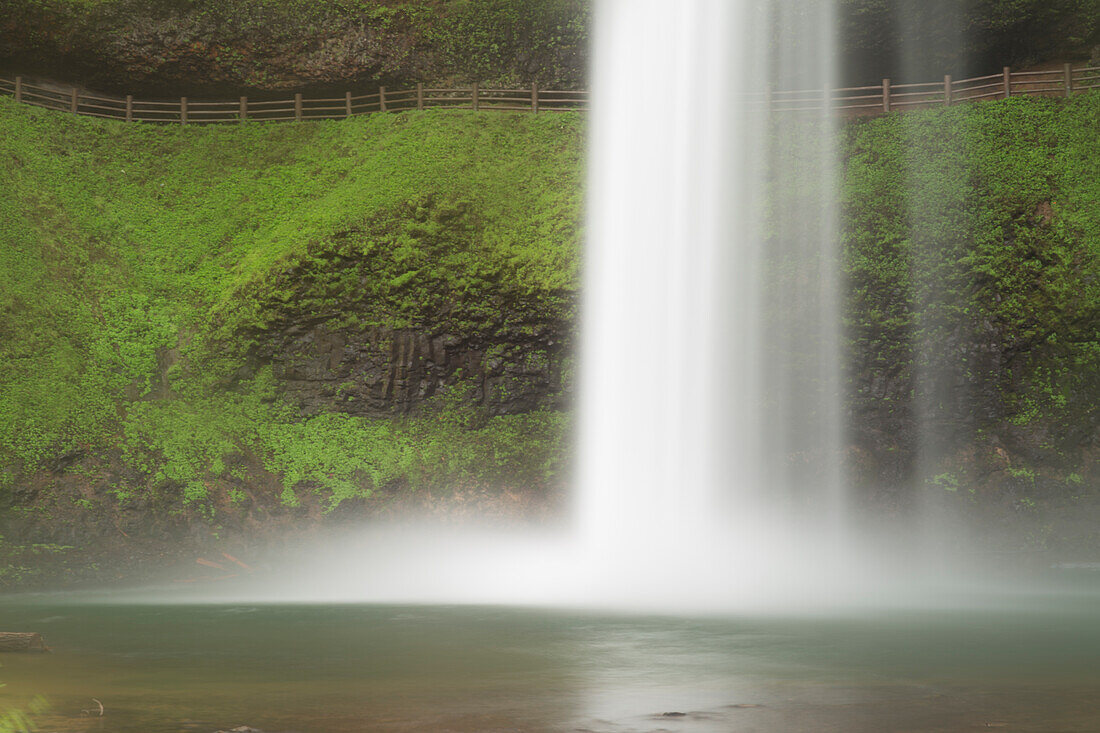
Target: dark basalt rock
344	330
378	371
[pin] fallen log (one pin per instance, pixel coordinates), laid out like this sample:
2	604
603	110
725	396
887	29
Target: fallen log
11	641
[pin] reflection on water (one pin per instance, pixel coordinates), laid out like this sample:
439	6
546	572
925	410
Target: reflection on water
356	668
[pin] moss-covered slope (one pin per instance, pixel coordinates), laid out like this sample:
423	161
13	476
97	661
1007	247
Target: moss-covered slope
146	272
972	243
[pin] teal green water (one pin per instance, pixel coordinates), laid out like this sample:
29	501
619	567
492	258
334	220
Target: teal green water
1019	667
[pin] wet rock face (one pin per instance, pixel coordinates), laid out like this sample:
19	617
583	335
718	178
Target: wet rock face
952	406
162	47
222	47
380	371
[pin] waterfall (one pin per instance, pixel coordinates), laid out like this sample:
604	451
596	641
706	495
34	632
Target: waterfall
710	420
650	432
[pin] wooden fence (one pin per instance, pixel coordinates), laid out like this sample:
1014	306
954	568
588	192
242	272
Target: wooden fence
888	97
187	111
866	100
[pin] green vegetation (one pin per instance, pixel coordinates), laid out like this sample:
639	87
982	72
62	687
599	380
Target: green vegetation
975	230
139	263
449	444
22	721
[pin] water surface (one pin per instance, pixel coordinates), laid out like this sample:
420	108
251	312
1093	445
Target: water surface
1031	666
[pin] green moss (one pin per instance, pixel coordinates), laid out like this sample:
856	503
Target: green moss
945	481
338	456
972	239
134	260
22	720
20	563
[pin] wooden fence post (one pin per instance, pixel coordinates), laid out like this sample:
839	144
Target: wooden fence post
535	97
419	95
74	100
475	97
1069	80
183	110
347	103
947	90
1008	82
243	111
298	107
129	107
885	95
18	89
382	99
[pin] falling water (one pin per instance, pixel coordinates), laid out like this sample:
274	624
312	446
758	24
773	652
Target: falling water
651	428
710	381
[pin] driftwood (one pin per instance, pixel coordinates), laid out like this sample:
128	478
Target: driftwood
22	642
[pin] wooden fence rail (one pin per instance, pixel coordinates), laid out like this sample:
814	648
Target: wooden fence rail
188	111
890	97
865	100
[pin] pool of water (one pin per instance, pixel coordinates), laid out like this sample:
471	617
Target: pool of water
1013	665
